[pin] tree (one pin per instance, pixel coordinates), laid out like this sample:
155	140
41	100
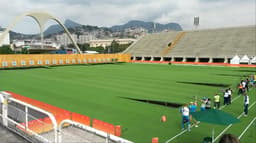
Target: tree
113	47
24	51
116	47
84	47
6	50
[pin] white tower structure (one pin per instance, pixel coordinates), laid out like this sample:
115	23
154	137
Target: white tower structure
41	18
6	39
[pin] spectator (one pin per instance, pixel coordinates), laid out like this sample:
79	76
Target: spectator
228	138
251	81
192	108
226	94
244	85
216	101
247	82
229	95
202	108
185	117
240	88
246	104
208	104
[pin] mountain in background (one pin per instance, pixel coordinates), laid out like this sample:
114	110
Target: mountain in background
15	35
150	26
54	29
76	27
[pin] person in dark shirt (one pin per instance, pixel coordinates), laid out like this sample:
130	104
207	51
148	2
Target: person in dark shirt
208	104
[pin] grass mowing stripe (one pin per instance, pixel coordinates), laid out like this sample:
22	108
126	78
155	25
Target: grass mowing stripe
95	91
246	128
231	101
232	124
174	137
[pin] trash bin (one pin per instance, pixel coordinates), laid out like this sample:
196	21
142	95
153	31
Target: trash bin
207	140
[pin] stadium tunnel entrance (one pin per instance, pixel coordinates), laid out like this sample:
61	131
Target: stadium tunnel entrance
167	59
218	60
147	58
204	60
190	59
157	59
178	59
161	103
138	58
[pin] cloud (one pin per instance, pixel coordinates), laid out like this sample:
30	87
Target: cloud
212	13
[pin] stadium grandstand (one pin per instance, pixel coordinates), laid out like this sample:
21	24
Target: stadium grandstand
40	122
209	45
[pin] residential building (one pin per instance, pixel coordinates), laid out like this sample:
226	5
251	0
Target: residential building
64	40
82	39
107	42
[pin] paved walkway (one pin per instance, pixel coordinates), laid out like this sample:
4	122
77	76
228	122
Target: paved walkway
7	136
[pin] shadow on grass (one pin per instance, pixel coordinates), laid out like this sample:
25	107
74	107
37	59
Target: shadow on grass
162	103
231	75
252	71
26	68
51	66
205	84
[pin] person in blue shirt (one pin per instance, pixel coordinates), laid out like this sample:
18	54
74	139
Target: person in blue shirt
203	104
192	108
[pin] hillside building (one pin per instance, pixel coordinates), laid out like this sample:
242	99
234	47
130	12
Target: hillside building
107	42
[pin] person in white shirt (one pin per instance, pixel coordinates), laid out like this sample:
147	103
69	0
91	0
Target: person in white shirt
246	104
226	95
185	117
229	95
244	86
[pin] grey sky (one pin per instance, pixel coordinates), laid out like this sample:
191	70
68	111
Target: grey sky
212	13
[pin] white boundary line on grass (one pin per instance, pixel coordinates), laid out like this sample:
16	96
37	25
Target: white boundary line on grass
182	132
246	128
231	124
231	101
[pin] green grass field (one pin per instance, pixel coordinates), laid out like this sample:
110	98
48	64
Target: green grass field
98	90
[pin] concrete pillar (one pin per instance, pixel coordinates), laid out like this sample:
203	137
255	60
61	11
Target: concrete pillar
173	59
225	60
143	58
152	58
197	59
162	59
134	58
184	59
210	60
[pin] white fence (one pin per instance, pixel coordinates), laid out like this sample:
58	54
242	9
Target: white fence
27	121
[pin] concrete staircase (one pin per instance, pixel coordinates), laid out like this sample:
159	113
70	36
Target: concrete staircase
174	43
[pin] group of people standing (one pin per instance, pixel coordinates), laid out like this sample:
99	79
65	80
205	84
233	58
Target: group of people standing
186	111
243	89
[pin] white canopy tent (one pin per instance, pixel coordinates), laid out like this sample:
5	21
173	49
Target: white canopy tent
235	60
245	59
253	60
